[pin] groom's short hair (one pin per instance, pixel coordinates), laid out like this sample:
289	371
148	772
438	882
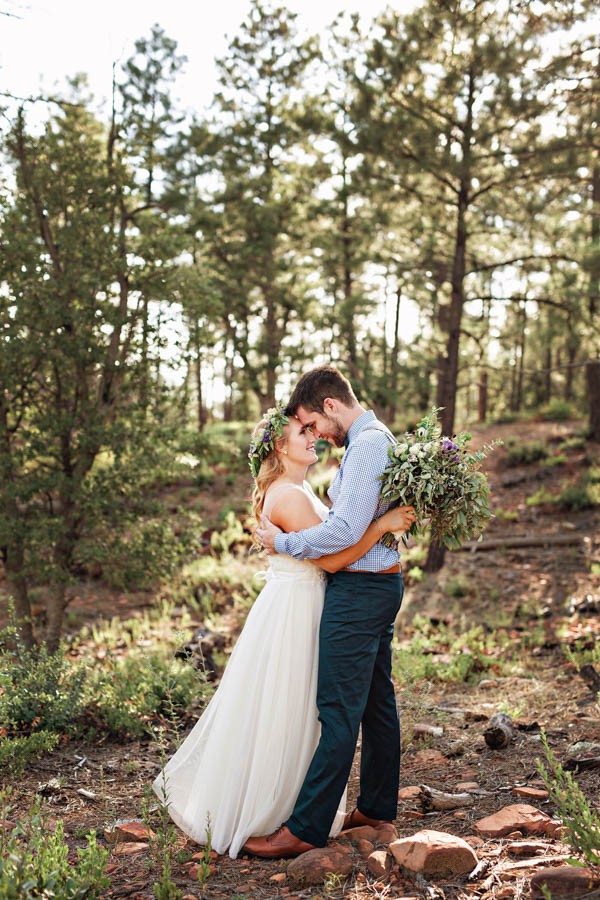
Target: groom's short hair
316	385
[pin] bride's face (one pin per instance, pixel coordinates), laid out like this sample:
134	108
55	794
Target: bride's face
300	443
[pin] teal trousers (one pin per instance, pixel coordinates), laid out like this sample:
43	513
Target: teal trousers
354	690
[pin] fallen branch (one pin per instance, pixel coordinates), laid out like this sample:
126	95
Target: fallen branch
539	540
430	799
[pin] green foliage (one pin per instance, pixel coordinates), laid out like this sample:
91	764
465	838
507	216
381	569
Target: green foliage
34	860
439	653
581	822
17	752
573	496
525	453
558	411
162	846
125	696
39	692
441	478
230	535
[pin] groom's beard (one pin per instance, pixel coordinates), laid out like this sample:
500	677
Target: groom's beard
335	432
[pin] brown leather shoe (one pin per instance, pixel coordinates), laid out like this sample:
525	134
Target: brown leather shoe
282	844
356	819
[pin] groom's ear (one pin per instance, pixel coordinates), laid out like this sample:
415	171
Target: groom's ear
329	405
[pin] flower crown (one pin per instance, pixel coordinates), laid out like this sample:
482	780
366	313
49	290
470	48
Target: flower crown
264	440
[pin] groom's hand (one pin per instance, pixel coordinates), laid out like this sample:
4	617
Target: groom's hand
266	533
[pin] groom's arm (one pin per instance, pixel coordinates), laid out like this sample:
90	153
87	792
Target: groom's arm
354	508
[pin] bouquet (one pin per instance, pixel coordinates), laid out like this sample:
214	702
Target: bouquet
441	478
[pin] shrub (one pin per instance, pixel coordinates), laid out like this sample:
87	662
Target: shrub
581	822
34	861
526	453
126	696
38	691
17	752
557	411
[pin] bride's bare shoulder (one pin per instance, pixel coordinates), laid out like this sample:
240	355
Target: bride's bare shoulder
291	507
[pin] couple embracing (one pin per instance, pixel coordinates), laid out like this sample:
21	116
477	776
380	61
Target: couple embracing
265	768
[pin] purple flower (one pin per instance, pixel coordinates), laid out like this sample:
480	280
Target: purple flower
266	437
448	446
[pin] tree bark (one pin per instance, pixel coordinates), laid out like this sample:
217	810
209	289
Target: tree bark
482	404
592	374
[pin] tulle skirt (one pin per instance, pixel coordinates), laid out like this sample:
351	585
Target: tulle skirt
239	771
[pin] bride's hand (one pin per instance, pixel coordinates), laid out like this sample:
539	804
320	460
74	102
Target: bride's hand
398	519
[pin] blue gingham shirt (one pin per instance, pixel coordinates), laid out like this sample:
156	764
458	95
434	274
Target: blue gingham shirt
354	493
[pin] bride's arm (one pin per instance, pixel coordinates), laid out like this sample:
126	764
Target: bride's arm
398	519
294	511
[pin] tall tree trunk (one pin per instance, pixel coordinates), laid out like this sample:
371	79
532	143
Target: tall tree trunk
482	397
200	409
548	376
447	389
394	365
592	373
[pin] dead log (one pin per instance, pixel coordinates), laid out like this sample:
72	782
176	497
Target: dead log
500	732
533	540
430	798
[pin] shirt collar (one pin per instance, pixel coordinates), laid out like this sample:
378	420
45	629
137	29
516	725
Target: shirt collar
357	426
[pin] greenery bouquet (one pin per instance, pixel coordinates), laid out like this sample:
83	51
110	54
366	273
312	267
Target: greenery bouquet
441	478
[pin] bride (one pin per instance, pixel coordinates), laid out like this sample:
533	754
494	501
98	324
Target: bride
241	767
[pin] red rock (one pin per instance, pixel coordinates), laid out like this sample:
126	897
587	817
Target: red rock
129	848
518	817
314	866
133	830
466	786
201	870
434	853
379	863
565	881
365	848
361	832
430	757
530	793
411	792
386	834
278	878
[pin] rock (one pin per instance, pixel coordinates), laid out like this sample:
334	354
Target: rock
127	831
566	881
201	870
411	792
131	848
434	853
314	866
386	834
361	832
530	793
517	817
278	878
430	758
466	786
365	848
379	863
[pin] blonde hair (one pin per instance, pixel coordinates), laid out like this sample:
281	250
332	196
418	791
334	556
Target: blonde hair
271	468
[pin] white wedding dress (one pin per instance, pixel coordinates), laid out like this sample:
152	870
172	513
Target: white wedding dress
241	768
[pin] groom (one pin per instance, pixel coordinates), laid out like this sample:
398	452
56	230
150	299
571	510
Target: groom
361	603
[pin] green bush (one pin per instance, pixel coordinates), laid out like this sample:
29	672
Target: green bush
524	454
17	752
137	558
34	861
38	691
125	696
580	821
558	411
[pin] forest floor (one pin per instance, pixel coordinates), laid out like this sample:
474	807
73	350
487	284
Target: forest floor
496	630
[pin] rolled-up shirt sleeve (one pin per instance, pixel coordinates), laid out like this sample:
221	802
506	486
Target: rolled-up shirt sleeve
354	508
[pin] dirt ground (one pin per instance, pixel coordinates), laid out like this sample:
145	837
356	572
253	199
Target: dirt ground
541	599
